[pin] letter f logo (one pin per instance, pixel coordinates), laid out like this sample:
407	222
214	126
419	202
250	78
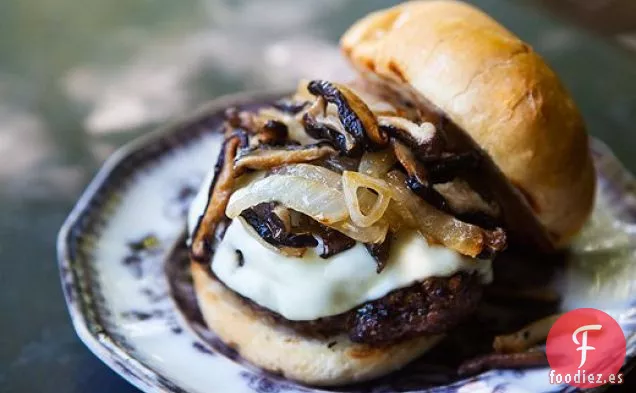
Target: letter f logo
584	347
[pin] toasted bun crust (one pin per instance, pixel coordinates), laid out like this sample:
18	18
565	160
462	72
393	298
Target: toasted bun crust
493	86
311	361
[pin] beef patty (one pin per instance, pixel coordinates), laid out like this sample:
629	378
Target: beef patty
432	306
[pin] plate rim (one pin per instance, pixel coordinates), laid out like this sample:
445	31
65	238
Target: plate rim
99	343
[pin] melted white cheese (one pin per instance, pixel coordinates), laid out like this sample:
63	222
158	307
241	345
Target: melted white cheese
312	287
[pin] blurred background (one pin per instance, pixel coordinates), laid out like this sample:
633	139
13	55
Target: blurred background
80	78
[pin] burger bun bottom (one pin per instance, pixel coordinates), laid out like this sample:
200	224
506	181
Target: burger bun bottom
320	362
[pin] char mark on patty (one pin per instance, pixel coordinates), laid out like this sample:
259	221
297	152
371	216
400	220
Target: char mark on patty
431	307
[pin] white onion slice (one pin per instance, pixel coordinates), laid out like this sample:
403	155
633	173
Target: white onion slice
399	217
313	172
351	182
324	204
377	164
373	234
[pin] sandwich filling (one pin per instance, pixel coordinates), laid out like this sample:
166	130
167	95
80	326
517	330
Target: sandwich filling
311	287
337	211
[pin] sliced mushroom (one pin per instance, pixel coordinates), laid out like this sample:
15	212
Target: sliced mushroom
243	137
407	159
318	125
239	119
232	117
517	216
220	192
353	113
428	193
273	230
284	216
273	133
526	337
449	166
380	252
419	149
339	163
296	252
295	129
417	179
495	241
422	139
462	199
265	129
264	157
332	242
455	196
465	238
291	233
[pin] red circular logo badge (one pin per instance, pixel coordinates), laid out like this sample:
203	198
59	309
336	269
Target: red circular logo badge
585	348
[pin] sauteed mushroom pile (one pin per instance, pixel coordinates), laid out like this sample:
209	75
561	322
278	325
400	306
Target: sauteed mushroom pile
322	169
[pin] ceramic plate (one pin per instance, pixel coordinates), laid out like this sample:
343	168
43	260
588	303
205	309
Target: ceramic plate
125	232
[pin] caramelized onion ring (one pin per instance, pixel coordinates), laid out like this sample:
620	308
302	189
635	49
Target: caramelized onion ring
351	182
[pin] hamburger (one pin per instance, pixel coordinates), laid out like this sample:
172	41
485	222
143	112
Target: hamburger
346	228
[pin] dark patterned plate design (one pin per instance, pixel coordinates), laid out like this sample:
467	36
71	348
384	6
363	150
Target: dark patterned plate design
125	277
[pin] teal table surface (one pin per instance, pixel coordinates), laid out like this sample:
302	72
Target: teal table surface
80	78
